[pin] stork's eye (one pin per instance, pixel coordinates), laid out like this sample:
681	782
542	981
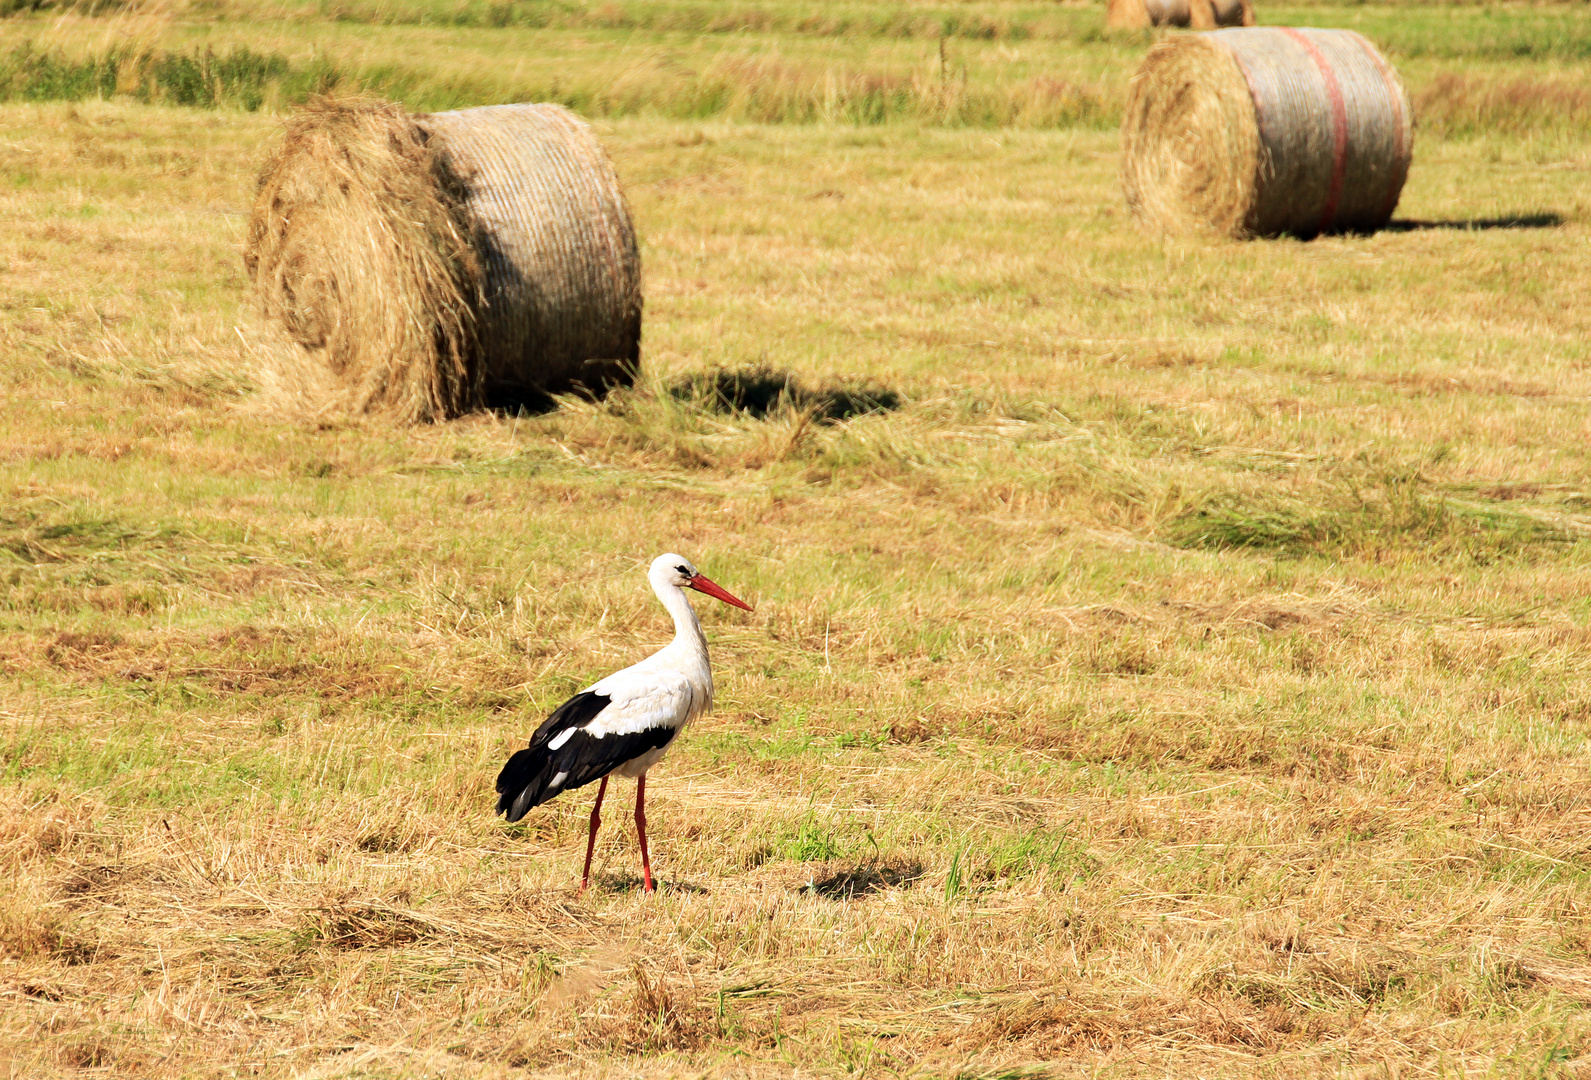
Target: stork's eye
683	570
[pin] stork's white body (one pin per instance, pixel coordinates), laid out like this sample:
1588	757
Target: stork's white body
667	690
626	722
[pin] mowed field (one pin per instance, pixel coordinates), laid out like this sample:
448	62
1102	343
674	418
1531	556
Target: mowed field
1186	671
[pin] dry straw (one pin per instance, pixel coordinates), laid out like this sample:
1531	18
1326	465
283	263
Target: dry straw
1198	14
1258	132
428	265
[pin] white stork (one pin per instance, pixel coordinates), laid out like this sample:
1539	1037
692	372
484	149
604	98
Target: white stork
624	723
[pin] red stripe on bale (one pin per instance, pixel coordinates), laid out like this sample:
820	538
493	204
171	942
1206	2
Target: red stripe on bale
1339	125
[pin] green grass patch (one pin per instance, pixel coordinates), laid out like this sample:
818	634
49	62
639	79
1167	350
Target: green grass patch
1391	517
811	840
240	77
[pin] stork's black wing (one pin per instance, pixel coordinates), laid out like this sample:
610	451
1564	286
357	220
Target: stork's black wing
572	748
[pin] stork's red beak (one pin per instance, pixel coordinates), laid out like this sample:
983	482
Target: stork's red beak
701	584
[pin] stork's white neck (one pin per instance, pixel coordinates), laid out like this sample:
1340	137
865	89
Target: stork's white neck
686	655
687	628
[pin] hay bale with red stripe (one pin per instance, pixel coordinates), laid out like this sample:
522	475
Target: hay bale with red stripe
1266	131
427	265
1194	14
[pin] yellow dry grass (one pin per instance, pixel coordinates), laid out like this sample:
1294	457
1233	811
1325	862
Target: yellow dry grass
1188	678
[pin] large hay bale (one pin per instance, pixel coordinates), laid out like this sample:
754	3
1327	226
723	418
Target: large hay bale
1258	132
428	265
1197	14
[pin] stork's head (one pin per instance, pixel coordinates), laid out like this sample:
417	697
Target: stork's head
676	570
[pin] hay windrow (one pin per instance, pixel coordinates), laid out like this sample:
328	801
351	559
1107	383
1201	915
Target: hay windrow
1264	131
359	246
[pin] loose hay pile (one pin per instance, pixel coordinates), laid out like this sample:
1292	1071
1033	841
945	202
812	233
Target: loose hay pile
1258	132
1198	14
428	265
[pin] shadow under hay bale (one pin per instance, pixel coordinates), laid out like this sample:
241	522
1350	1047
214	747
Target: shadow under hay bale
764	391
1265	131
1194	14
1517	221
430	265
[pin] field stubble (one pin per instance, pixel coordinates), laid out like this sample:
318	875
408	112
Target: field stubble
1172	661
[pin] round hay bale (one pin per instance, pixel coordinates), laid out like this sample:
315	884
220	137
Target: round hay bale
429	265
1197	14
1259	132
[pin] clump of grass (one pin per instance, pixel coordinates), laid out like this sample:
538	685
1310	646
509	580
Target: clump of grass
29	75
956	875
811	841
1397	513
33	536
42	932
742	417
360	926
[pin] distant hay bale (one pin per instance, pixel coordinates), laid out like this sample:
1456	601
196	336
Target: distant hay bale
428	265
1258	132
1195	14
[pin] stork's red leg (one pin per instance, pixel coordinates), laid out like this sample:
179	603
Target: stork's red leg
591	841
640	830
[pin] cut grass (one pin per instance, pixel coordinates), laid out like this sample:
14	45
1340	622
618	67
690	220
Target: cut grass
1181	672
1382	519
